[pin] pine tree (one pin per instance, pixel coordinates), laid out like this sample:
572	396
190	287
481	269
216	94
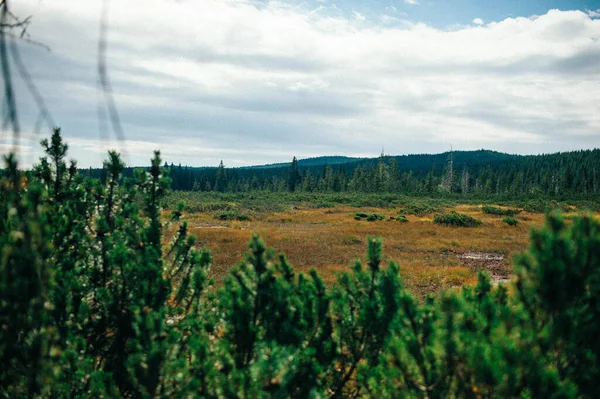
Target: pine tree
221	178
25	281
294	178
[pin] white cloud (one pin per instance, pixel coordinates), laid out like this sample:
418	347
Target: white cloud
247	83
478	21
359	17
411	2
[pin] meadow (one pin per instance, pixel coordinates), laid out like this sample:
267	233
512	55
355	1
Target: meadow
329	236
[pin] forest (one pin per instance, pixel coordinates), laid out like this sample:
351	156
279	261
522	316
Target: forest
478	174
97	300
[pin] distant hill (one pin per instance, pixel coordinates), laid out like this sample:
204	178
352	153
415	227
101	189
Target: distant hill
414	162
315	161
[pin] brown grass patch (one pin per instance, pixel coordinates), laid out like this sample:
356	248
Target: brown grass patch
330	240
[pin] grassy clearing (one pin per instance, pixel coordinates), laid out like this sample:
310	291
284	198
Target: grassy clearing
330	239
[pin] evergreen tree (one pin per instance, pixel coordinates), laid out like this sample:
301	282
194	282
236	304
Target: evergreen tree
221	178
294	178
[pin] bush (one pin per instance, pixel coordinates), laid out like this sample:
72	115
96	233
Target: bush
493	210
456	219
374	217
370	217
510	221
541	206
419	209
231	215
402	218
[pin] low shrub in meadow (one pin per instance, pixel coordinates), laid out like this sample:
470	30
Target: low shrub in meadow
510	221
370	217
418	209
494	210
456	219
374	217
231	215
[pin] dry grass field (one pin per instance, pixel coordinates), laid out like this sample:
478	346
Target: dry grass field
431	257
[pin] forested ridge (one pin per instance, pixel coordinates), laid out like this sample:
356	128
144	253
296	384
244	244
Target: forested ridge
95	301
480	173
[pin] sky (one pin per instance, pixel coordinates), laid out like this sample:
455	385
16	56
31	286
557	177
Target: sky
253	82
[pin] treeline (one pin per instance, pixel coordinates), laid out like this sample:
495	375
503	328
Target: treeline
95	303
475	173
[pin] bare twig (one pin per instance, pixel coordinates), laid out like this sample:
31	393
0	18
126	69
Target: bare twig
104	82
33	90
12	118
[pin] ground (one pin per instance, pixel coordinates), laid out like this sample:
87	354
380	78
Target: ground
431	257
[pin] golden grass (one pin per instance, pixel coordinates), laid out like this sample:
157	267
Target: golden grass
330	240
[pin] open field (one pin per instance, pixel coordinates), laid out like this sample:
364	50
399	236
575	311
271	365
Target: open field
432	257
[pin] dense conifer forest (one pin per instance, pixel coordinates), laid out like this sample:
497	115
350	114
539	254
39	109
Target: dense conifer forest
470	173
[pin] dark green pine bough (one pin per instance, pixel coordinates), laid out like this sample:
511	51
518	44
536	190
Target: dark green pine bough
94	303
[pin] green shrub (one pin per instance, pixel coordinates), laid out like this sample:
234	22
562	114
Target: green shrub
510	221
401	218
231	215
374	217
541	206
493	210
370	217
323	204
456	219
419	209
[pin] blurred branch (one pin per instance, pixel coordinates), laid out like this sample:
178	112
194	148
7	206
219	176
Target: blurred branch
104	80
13	28
9	94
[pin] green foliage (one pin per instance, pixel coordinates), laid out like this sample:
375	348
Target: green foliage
365	304
420	208
456	219
94	303
231	215
268	202
99	327
540	206
370	217
25	278
558	286
510	221
494	210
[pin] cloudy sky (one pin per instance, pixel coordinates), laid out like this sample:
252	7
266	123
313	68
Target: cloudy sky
254	82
